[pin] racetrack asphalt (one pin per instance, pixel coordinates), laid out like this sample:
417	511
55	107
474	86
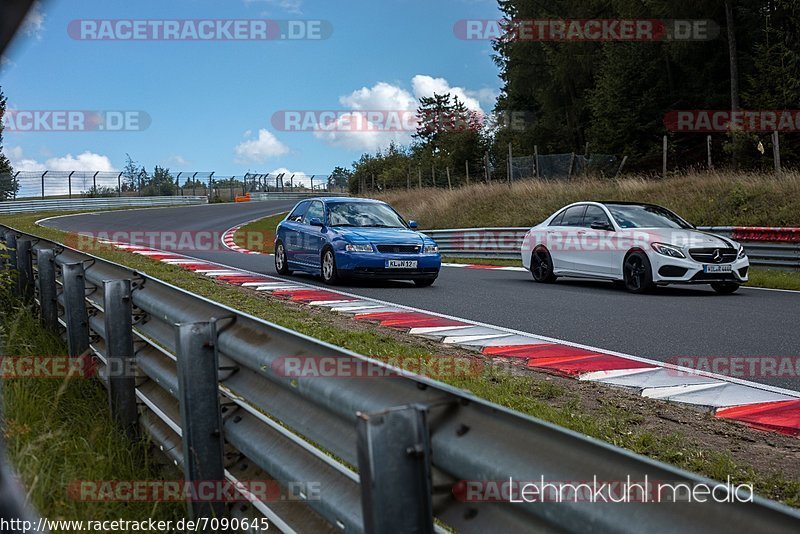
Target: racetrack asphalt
673	322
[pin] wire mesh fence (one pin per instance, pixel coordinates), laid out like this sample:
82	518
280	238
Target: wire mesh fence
82	184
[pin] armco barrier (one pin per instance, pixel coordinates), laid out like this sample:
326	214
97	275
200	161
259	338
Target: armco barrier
769	247
80	204
385	454
257	197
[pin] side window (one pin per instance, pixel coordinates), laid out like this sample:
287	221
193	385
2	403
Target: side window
299	211
316	210
574	216
595	214
558	218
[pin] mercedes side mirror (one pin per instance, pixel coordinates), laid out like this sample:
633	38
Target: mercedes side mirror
600	225
413	225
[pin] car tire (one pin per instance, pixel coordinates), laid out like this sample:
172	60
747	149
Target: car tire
637	272
425	282
281	262
725	288
542	266
330	274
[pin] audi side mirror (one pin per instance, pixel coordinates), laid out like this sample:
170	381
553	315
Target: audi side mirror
413	225
316	221
599	225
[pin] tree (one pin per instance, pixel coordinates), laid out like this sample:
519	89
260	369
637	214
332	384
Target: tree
8	184
339	178
132	173
161	184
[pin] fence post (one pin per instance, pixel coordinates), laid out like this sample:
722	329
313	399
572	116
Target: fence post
708	148
419	175
194	185
466	165
118	321
536	161
664	157
201	416
486	168
776	151
43	175
621	165
433	175
394	446
24	269
46	265
510	164
69	180
94	182
449	183
210	191
571	164
75	315
119	185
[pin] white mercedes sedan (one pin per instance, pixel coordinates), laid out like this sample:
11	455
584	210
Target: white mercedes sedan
639	245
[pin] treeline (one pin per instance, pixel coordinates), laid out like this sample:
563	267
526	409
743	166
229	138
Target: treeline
613	97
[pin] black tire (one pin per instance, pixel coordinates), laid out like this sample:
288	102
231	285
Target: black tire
425	282
725	288
542	266
637	273
281	263
328	269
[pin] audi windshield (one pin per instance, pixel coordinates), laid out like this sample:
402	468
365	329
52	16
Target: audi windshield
364	215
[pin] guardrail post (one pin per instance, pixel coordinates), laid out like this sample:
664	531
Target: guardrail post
394	452
11	246
75	315
201	416
118	318
46	266
25	269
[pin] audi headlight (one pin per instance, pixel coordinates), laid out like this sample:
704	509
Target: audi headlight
668	250
358	247
742	253
431	249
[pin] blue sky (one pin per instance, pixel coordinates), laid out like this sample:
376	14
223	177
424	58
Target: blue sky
212	103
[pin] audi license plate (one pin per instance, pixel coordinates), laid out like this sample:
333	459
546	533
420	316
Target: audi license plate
716	269
401	264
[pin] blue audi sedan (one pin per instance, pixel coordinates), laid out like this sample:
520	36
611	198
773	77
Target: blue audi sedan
341	238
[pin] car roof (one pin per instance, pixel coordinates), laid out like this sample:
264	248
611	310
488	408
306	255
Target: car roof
334	200
626	203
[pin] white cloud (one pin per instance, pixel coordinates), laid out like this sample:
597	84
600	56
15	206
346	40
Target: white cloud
300	178
176	160
397	101
87	161
261	149
33	25
427	86
294	7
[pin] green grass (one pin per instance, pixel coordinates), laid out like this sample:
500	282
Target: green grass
259	235
60	430
530	394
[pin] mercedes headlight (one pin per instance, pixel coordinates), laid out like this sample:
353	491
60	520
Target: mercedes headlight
431	249
358	247
742	253
668	250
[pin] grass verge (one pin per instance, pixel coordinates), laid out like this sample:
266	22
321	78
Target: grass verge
59	431
705	199
665	432
259	235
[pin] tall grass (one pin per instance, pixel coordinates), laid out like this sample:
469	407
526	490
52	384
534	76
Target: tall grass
713	199
59	431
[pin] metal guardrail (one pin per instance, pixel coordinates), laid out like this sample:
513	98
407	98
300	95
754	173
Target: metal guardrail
388	454
257	197
505	243
80	204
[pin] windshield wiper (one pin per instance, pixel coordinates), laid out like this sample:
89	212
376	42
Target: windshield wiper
380	226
